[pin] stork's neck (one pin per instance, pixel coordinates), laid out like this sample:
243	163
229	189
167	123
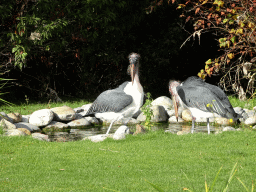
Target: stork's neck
136	78
137	82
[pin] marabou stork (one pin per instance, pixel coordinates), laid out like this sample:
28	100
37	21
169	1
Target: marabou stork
122	102
202	99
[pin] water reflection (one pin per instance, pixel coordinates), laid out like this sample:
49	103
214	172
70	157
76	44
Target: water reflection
80	133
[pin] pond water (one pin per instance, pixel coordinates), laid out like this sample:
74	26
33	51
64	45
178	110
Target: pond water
80	133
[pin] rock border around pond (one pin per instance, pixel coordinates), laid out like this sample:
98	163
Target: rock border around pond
63	117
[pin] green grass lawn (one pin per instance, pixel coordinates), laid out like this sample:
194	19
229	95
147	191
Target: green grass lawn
169	161
163	159
26	108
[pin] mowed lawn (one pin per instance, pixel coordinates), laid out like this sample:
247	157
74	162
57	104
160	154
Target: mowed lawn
171	162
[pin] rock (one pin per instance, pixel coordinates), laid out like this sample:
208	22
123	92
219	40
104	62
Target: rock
40	136
120	121
238	110
172	112
79	123
83	113
141	117
7	125
244	116
14	132
56	124
86	107
229	129
79	116
78	109
139	129
174	120
25	118
251	113
186	115
164	101
41	117
31	128
3	115
136	114
223	121
182	133
121	132
250	121
16	117
92	120
27	132
159	114
97	138
63	113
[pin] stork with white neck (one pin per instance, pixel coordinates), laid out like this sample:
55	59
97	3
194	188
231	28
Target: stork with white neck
202	99
122	102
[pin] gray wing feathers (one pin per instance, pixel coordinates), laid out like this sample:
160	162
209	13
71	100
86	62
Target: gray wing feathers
110	101
203	99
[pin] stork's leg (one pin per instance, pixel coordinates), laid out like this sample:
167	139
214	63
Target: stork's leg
193	124
110	126
116	119
208	126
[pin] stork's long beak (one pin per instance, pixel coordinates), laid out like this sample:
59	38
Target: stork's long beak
132	72
175	107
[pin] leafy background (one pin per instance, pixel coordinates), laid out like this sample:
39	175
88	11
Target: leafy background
80	48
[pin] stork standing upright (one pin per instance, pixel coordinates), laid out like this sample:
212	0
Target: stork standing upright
202	99
122	102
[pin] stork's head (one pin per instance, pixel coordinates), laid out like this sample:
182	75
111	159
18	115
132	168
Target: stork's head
134	64
175	96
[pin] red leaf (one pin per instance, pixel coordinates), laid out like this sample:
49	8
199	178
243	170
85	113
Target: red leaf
209	16
188	18
197	10
208	24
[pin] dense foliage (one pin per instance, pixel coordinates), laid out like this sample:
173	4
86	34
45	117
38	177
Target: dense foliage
233	23
80	48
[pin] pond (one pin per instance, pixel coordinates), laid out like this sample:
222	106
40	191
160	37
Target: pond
75	134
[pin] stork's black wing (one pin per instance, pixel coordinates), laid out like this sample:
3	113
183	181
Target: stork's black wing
110	101
203	99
